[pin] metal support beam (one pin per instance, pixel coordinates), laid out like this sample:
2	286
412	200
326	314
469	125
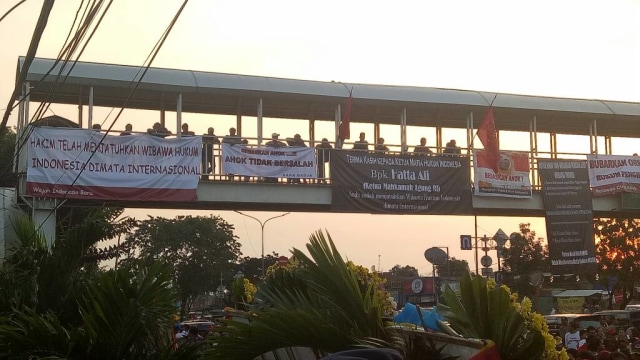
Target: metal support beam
338	119
179	116
260	136
90	115
533	150
80	110
43	215
403	131
239	121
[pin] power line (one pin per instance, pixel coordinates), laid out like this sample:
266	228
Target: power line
67	50
31	53
155	52
12	8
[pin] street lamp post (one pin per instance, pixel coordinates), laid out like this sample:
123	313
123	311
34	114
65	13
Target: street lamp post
262	224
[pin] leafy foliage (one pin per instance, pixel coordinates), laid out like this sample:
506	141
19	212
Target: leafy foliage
618	253
55	307
251	267
125	317
453	269
128	315
414	346
525	256
45	279
8	177
404	271
196	248
318	304
484	313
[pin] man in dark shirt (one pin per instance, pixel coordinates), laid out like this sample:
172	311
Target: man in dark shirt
208	160
323	150
185	130
451	148
274	142
380	146
231	139
159	130
296	141
361	144
422	149
127	130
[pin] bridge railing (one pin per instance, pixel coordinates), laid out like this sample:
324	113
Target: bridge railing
216	173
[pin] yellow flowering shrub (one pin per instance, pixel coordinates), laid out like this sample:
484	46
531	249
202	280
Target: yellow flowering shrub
249	290
537	322
366	278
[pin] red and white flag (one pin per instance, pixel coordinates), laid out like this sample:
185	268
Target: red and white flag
488	137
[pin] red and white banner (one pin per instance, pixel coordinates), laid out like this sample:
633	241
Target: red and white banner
288	162
511	179
612	174
85	164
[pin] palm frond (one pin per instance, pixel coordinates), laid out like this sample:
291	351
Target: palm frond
319	305
27	334
129	316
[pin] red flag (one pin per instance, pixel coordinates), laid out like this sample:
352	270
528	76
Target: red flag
487	135
344	131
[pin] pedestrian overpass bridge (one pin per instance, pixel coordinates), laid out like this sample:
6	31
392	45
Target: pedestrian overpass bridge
90	85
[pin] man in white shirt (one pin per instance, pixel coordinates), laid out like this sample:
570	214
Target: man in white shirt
572	337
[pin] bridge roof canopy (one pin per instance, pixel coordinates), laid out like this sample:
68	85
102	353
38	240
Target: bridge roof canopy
233	94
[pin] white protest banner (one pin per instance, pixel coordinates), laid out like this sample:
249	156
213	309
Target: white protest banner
612	174
80	164
511	180
289	162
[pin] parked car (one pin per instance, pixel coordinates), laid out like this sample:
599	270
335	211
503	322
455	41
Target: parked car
624	318
634	307
554	321
204	326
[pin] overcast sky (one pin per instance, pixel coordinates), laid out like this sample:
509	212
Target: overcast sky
576	49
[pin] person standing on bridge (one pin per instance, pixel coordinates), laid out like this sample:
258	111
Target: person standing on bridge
208	160
323	150
295	141
231	139
274	142
185	130
451	148
380	146
159	130
127	130
422	149
361	144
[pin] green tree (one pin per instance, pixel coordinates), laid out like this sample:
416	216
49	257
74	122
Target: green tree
48	279
56	303
197	248
404	271
525	257
251	267
618	254
453	269
8	177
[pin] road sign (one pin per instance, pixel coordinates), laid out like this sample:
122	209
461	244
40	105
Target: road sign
486	271
486	260
500	237
465	242
436	256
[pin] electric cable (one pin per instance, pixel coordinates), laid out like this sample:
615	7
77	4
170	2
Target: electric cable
155	52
